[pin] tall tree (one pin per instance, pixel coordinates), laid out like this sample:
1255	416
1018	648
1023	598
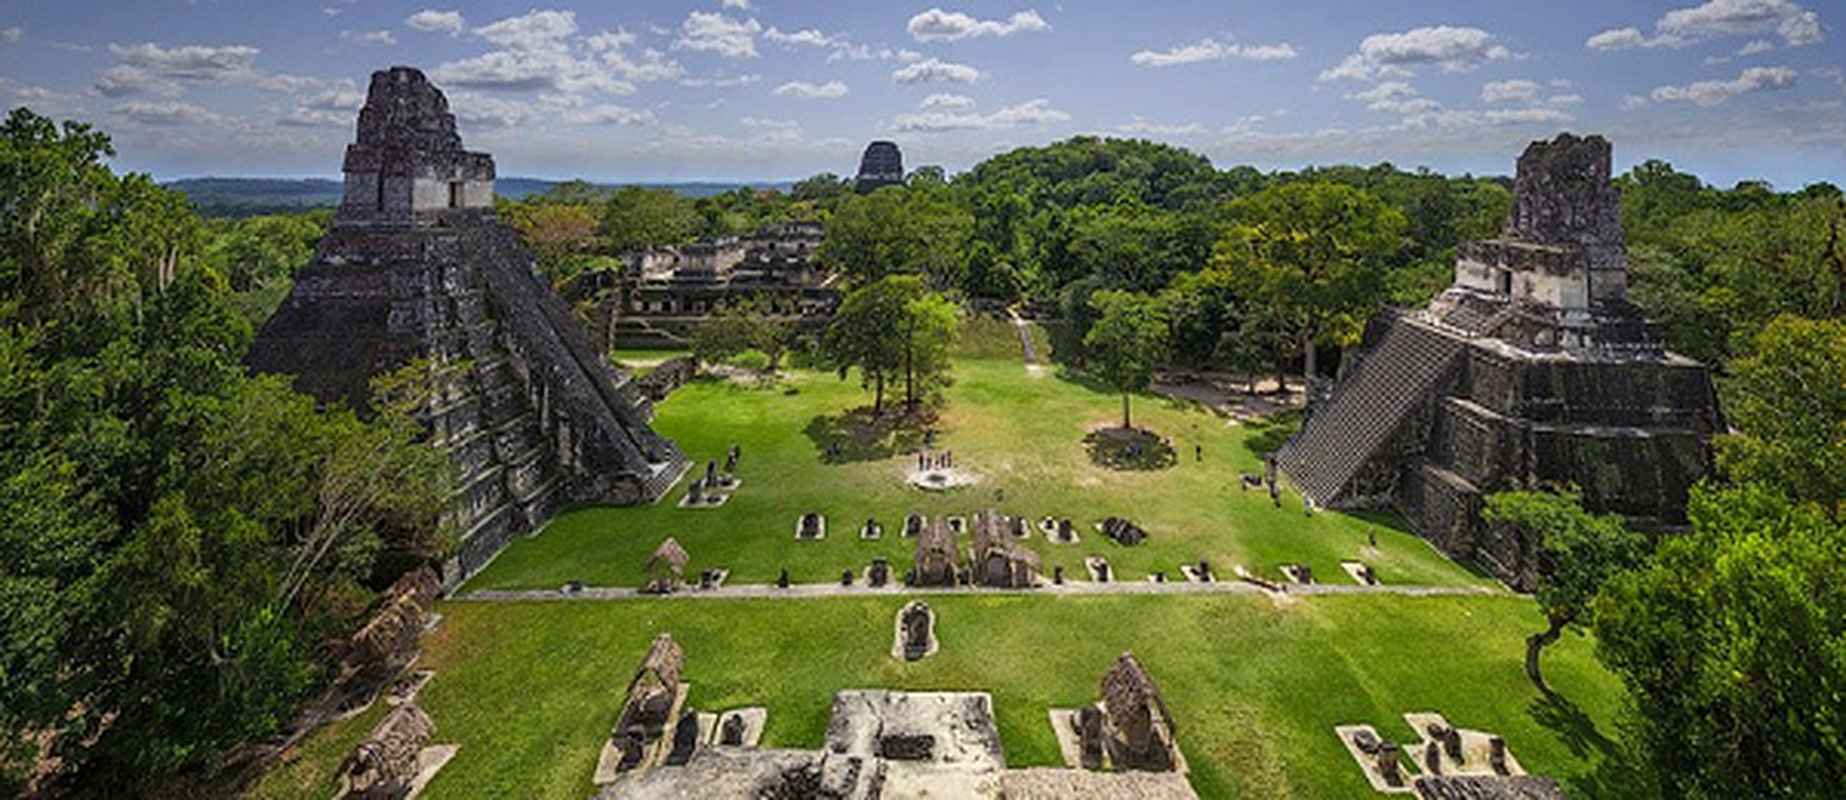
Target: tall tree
1732	645
1577	554
156	493
638	217
1318	252
1127	342
893	329
928	330
1787	403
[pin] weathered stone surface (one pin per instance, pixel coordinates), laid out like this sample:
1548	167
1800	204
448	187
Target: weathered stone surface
384	764
1139	729
996	558
1487	787
416	266
1532	369
882	165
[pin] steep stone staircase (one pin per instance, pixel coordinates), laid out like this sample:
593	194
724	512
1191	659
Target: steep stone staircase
1348	429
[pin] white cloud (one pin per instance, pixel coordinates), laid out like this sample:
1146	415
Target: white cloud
151	69
167	113
713	32
936	71
1212	50
1498	117
477	110
534	30
652	65
432	21
811	91
760	123
1035	112
937	25
946	100
609	115
13	34
1755	47
1513	91
1141	127
1631	38
743	5
1796	25
368	37
807	36
720	82
536	55
1395	96
1680	27
1396	55
335	108
1711	93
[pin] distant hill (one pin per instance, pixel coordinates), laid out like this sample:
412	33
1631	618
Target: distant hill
245	197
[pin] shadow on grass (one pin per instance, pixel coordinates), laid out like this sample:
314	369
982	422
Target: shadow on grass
1615	772
1129	449
860	435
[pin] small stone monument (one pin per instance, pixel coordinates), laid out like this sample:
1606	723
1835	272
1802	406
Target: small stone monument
811	526
385	763
1387	764
879	574
731	732
916	632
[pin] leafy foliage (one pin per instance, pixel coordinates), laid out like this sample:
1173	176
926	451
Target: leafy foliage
1733	647
1577	553
156	495
1127	342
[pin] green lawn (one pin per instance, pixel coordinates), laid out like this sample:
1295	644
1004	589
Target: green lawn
1023	434
529	690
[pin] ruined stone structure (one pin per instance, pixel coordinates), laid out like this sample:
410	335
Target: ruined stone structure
417	266
882	165
995	559
938	561
662	294
665	570
1135	729
653	690
1532	369
889	744
384	764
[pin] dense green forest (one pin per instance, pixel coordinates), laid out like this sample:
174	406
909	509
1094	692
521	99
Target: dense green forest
183	540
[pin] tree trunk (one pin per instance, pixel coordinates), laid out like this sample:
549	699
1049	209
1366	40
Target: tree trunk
1538	642
910	378
1309	363
1125	423
878	394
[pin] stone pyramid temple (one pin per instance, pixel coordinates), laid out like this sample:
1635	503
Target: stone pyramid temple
1532	369
417	266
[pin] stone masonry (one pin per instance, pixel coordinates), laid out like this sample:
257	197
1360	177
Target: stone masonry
417	266
1532	369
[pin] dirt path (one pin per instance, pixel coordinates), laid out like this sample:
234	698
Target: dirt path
1025	343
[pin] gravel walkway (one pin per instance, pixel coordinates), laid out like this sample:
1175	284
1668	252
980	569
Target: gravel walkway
765	591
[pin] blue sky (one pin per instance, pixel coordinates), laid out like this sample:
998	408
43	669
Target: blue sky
761	89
